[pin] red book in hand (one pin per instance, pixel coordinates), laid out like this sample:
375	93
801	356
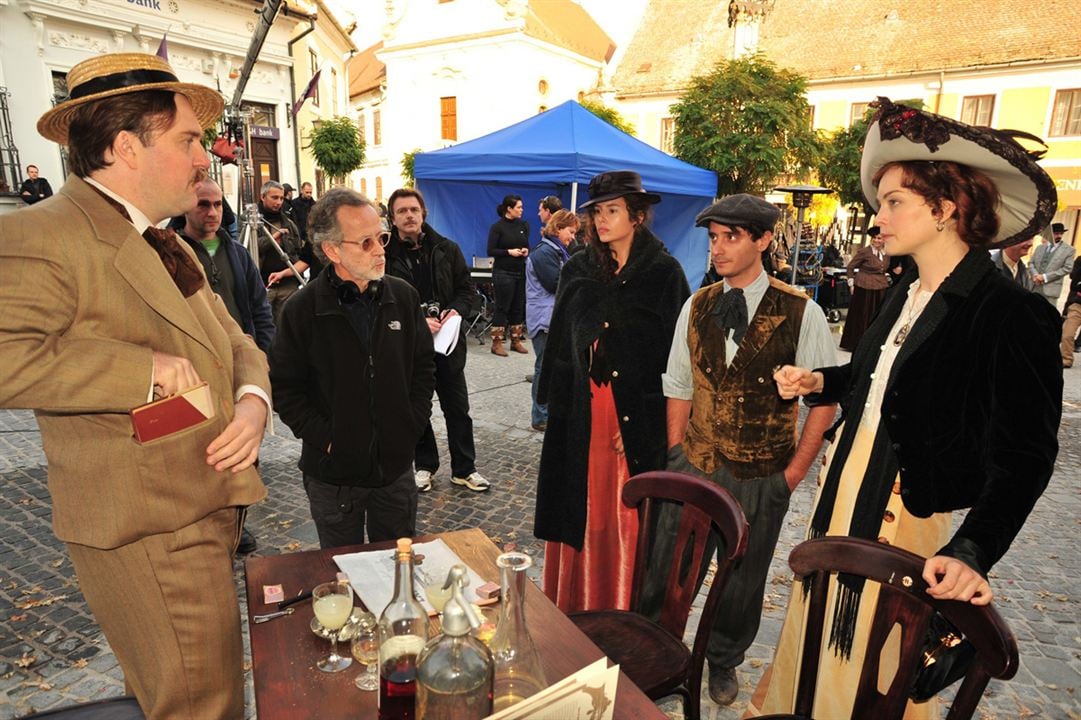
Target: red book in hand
172	414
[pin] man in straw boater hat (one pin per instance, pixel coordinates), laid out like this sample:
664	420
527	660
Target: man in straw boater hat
103	312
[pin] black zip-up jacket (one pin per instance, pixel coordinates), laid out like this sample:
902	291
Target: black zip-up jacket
450	280
324	392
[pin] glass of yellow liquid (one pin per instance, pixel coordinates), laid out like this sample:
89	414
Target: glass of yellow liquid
489	620
437	595
333	603
365	646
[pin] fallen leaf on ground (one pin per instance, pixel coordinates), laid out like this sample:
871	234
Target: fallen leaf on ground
40	602
26	660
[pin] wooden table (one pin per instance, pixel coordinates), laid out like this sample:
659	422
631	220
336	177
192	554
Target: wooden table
284	651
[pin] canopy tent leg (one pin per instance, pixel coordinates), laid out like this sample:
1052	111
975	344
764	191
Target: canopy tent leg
574	197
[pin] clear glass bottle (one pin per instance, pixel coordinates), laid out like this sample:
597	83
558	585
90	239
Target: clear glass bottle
454	673
403	629
518	672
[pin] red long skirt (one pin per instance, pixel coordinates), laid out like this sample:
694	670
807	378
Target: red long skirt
599	577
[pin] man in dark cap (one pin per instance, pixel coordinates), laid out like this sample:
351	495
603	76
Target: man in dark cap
727	424
287	206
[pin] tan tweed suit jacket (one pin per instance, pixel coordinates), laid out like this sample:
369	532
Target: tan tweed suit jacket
84	301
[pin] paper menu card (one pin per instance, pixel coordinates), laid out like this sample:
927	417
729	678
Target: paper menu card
589	693
371	574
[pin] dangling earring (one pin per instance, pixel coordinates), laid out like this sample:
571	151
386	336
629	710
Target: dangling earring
940	226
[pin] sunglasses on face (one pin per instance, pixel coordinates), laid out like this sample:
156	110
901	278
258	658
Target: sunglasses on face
369	242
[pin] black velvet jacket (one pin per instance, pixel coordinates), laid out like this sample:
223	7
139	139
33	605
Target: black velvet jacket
972	406
637	312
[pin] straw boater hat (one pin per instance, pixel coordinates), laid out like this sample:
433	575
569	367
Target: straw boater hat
108	75
1028	196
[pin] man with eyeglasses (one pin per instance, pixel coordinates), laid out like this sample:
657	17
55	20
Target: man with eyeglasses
435	266
229	267
352	372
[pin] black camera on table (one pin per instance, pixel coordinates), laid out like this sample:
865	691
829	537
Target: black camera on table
431	310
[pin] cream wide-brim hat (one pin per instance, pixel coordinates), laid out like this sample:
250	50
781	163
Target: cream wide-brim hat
1027	193
106	76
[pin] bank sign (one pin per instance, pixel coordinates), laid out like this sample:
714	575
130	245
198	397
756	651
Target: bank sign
148	4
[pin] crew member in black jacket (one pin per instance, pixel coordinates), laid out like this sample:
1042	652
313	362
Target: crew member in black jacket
352	373
435	267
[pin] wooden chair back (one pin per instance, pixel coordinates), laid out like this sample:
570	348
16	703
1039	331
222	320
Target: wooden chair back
704	504
903	601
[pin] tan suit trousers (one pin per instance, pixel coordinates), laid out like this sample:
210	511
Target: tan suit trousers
167	604
1069	333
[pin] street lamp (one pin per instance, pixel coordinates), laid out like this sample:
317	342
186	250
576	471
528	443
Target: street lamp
801	199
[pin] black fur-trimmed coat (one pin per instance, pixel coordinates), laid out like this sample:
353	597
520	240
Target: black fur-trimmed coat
637	311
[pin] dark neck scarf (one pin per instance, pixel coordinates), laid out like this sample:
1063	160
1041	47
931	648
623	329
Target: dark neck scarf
274	216
181	267
730	313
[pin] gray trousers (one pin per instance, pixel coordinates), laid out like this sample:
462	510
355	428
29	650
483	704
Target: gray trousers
765	502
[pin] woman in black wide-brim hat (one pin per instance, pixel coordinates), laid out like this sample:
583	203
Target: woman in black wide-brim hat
612	325
952	398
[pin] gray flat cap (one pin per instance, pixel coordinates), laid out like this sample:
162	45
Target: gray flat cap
740	209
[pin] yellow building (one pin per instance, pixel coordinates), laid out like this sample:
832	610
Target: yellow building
1002	63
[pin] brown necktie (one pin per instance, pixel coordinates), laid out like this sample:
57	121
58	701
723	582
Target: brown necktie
181	267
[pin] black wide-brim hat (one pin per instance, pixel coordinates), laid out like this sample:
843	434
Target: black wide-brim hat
614	184
904	134
106	76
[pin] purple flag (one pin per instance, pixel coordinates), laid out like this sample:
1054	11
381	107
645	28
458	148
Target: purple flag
309	91
163	48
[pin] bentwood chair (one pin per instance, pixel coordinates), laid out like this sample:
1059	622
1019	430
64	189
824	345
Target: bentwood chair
903	601
652	654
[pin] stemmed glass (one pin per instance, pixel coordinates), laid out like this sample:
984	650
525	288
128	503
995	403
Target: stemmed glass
365	646
333	603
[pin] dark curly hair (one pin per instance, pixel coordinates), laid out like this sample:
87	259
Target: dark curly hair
640	210
973	193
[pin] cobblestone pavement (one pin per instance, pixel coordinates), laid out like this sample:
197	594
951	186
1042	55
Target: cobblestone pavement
52	652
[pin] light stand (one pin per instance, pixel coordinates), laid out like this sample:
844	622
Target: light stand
801	200
251	223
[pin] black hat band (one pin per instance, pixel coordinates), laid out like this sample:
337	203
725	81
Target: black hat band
115	81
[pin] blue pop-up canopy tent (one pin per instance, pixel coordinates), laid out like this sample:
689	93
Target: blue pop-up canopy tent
556	153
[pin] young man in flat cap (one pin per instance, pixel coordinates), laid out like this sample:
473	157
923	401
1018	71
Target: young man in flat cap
103	312
726	421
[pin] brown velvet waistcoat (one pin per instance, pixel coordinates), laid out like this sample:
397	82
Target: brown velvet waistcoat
737	418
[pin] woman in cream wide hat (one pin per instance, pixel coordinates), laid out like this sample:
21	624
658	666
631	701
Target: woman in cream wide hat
933	416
